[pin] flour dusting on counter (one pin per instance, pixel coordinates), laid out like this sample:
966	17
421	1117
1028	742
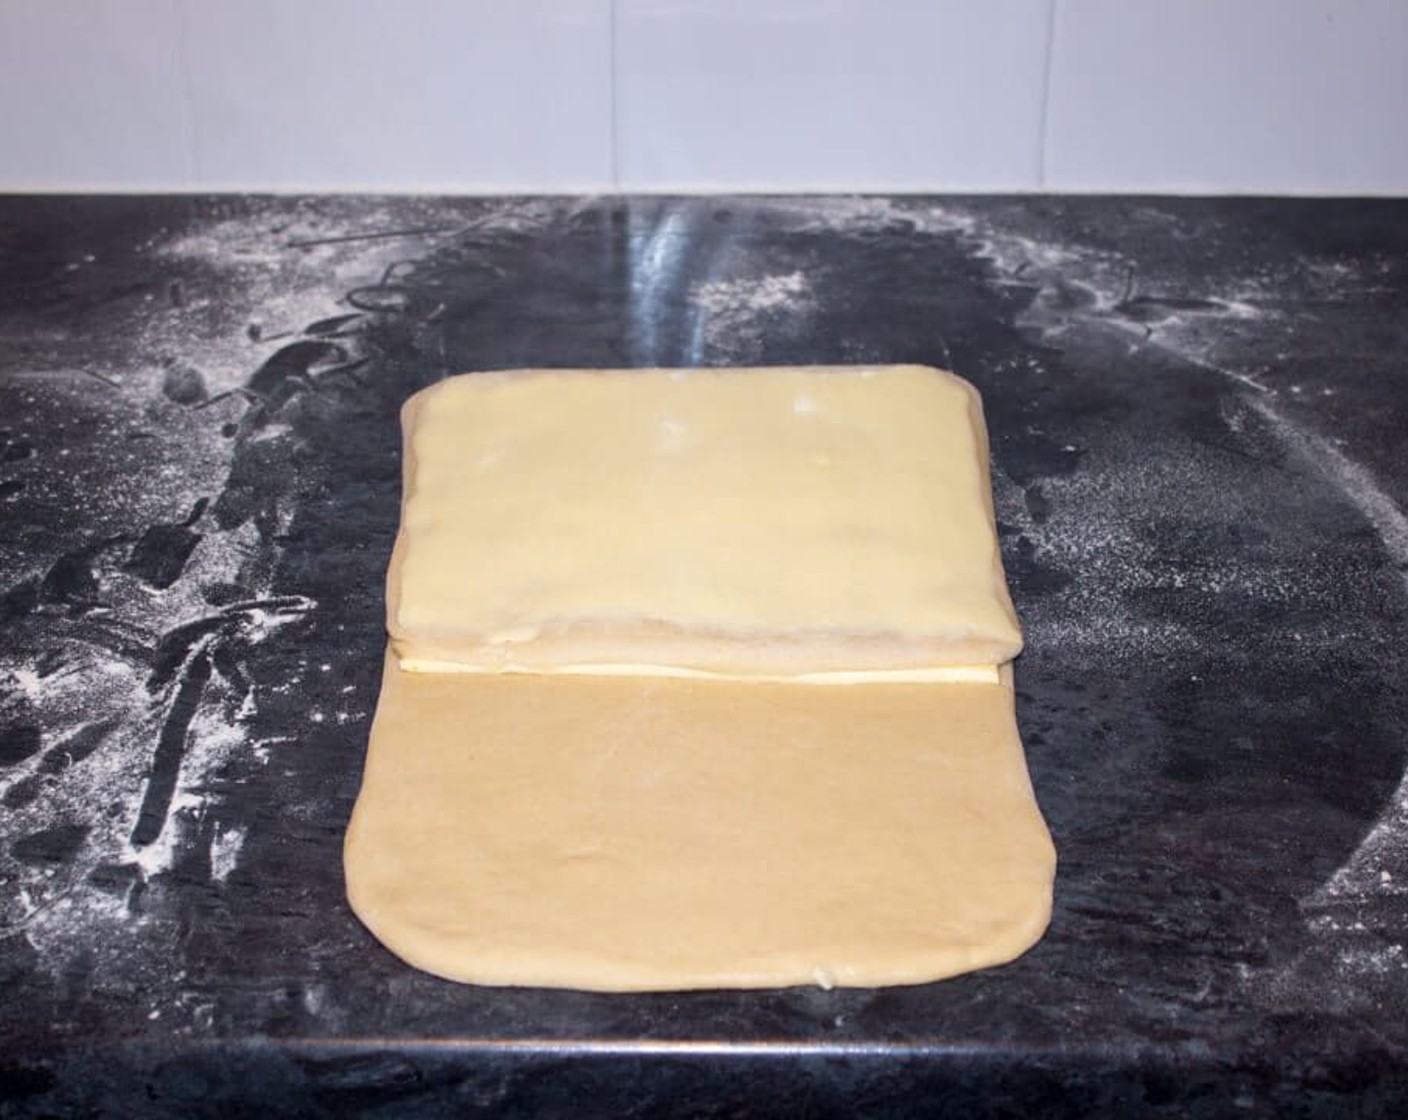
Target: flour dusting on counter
1196	414
138	626
731	319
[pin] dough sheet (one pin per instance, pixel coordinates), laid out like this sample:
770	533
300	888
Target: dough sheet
740	522
698	679
624	834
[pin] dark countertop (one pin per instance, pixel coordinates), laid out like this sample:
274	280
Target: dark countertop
1198	412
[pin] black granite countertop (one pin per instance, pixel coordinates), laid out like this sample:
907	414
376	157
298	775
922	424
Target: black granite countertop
1198	412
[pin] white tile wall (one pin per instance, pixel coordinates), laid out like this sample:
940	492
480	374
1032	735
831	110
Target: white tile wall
417	94
1254	95
90	95
830	93
568	95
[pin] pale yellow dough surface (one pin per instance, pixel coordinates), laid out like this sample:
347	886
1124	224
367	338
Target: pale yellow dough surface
755	522
623	834
710	687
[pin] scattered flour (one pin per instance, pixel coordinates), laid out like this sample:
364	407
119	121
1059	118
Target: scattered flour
77	684
751	296
225	851
244	287
1230	329
1087	531
729	317
1384	850
1358	485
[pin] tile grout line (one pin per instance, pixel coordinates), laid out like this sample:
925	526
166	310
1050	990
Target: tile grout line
615	128
1052	12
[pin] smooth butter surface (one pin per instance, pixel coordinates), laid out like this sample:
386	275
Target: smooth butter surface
768	521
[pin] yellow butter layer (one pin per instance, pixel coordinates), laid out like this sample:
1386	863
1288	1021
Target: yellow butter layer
972	674
773	522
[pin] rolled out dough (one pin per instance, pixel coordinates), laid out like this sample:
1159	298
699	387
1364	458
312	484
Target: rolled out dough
625	834
698	679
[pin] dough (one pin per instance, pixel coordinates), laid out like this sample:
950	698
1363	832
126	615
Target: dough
698	679
625	834
740	522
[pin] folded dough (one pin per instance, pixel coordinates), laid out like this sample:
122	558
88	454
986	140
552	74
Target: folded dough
748	522
659	708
